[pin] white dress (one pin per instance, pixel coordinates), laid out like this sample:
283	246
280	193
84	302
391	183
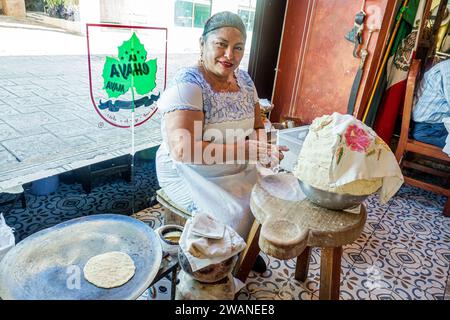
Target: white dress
220	190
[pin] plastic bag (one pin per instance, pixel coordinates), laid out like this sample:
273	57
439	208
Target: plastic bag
7	240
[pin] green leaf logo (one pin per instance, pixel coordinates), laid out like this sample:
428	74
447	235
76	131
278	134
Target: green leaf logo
130	70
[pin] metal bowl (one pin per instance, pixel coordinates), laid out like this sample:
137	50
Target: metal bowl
330	200
167	245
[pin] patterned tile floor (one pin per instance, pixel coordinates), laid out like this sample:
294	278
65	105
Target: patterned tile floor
110	194
402	254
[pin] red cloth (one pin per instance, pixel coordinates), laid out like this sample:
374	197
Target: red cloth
390	108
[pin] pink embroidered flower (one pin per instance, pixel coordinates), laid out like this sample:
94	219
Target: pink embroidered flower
357	139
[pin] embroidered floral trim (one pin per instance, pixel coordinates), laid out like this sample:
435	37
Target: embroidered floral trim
220	107
182	108
192	208
357	139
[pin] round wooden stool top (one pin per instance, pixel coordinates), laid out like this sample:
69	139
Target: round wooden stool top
290	222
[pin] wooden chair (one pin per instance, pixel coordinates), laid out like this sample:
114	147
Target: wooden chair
406	144
175	215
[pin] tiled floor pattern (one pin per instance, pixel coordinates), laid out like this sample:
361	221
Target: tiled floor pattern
402	254
110	194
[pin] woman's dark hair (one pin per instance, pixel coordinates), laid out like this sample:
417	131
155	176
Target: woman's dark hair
224	19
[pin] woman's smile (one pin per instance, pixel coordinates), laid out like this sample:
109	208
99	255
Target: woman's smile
226	65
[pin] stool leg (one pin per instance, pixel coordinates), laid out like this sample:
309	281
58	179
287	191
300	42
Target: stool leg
173	283
127	174
248	256
330	273
23	200
447	208
85	175
302	265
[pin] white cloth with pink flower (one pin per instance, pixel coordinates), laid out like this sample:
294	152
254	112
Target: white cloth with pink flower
343	155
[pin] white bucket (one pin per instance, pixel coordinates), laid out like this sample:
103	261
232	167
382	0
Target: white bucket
7	240
293	139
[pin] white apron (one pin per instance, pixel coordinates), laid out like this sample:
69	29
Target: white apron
222	191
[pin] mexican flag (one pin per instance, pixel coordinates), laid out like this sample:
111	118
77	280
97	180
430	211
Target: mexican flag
396	71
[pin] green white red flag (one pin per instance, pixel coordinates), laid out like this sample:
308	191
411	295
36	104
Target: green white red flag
397	69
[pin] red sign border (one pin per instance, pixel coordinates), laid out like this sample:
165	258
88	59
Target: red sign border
104	25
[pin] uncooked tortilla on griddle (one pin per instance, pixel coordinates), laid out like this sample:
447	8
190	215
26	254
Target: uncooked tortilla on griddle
109	270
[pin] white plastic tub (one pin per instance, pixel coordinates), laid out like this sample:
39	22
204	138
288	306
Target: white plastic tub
292	138
8	243
7	240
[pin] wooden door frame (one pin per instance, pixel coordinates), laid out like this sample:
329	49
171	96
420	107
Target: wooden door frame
369	76
266	44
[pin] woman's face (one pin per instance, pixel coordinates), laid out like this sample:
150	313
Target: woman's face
223	50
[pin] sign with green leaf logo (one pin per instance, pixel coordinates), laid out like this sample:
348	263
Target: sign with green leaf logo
131	70
128	79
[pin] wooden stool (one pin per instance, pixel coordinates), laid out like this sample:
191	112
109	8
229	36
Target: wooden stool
290	228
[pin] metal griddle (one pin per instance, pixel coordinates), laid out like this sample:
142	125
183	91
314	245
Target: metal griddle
48	265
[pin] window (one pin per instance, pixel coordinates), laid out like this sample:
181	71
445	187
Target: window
248	16
183	14
201	14
192	14
64	129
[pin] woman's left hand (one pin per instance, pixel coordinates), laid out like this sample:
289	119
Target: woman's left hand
275	154
265	153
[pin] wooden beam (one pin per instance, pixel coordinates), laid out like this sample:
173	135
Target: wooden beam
427	150
425	169
427	186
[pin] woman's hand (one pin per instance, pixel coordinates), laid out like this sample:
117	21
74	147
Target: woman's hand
267	154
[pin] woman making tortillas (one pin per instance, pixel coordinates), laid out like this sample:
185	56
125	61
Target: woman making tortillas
210	130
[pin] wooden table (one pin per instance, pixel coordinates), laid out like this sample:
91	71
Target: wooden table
290	225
